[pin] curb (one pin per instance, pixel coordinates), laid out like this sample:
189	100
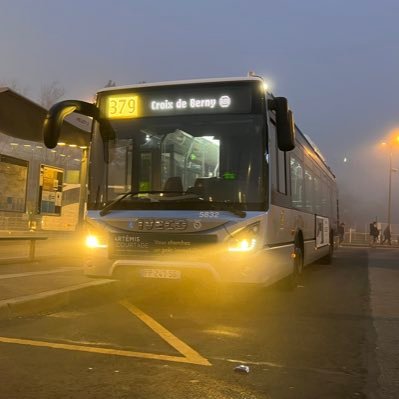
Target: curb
26	260
365	245
50	300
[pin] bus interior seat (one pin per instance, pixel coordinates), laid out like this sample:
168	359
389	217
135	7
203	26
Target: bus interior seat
172	186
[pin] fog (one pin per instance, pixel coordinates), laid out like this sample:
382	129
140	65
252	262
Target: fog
336	62
363	186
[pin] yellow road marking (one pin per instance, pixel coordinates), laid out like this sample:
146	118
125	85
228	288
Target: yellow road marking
189	354
93	349
166	335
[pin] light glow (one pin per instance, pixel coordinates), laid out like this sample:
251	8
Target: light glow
244	245
94	242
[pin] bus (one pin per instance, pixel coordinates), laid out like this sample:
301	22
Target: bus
201	180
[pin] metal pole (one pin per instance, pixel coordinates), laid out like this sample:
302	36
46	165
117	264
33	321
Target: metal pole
389	188
83	188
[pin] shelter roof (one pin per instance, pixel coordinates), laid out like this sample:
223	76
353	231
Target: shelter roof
22	118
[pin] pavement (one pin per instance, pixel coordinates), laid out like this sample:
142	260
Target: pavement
54	279
384	303
306	344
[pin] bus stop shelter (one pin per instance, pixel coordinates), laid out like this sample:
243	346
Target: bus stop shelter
22	119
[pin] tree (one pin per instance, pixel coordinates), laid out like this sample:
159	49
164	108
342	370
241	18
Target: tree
50	94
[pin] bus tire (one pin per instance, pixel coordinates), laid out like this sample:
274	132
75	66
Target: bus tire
291	282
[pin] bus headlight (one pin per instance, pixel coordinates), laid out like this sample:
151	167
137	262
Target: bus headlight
93	241
245	240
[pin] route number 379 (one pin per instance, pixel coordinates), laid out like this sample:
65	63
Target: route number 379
122	106
209	214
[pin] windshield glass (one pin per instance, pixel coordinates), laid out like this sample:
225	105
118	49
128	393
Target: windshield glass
173	161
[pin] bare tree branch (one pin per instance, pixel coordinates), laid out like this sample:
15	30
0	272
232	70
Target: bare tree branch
50	94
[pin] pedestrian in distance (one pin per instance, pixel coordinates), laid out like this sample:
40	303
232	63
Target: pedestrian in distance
387	235
374	233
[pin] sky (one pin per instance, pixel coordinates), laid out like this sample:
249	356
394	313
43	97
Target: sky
336	61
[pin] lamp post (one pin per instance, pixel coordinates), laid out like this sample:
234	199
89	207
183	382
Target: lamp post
391	169
389	187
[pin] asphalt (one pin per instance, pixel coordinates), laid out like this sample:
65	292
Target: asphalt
55	280
52	280
319	341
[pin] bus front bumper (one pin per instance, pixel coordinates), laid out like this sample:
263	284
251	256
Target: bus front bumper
224	268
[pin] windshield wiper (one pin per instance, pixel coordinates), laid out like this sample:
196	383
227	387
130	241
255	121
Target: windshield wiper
219	206
230	207
112	204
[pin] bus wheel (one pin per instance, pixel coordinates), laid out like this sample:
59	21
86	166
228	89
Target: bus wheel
291	282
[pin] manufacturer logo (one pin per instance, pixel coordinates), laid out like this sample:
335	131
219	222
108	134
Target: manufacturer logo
197	224
162	224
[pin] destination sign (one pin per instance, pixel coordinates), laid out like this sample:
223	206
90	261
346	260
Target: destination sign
166	101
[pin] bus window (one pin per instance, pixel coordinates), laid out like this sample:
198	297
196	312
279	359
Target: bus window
324	198
317	195
309	191
281	172
120	168
296	183
189	157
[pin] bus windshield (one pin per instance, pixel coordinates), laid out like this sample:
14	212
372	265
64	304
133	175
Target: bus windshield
191	162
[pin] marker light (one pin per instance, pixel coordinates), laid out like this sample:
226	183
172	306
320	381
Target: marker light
94	242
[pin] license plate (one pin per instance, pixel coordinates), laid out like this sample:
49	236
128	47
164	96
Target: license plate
161	273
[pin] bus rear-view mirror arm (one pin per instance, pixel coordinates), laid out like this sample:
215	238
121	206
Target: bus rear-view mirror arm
55	117
285	125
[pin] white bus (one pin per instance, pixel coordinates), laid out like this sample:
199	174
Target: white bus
203	179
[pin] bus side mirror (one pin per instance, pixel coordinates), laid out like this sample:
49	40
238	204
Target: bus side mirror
285	125
55	117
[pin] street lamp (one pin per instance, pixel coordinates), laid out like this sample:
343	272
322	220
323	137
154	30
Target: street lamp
391	169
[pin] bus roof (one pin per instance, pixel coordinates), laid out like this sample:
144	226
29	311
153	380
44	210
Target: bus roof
184	82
